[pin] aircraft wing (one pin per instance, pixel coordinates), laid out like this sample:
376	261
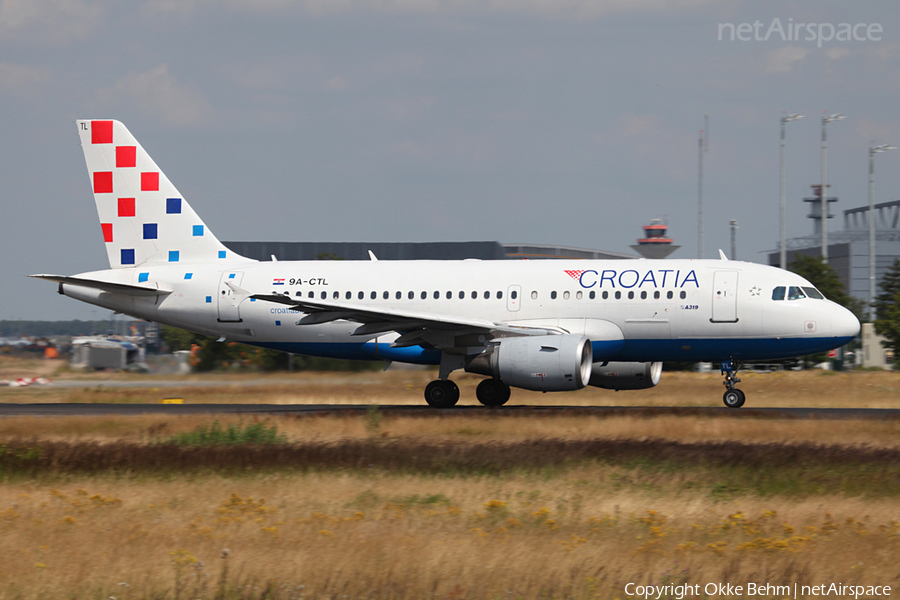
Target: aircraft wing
414	327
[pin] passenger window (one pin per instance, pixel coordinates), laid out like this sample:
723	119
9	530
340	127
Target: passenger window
514	294
669	295
643	295
579	295
656	295
348	295
605	295
534	295
462	295
298	294
618	295
411	295
500	295
361	295
631	295
449	295
795	293
424	295
565	295
778	293
487	295
324	295
397	295
553	295
474	295
683	295
813	293
311	295
437	295
592	295
373	295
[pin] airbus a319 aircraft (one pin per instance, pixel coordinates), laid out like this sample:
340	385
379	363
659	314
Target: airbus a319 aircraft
546	325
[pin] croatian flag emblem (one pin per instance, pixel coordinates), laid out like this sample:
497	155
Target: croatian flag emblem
576	275
278	282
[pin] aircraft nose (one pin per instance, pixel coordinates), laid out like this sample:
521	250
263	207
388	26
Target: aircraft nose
844	323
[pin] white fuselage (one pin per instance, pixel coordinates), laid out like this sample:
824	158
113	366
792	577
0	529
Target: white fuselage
642	310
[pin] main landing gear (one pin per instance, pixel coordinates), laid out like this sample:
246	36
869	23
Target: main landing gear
492	392
441	393
444	393
733	397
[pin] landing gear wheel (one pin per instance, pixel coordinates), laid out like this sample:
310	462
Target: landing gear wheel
441	394
734	398
492	392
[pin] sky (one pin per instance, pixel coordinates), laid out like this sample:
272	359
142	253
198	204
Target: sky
566	122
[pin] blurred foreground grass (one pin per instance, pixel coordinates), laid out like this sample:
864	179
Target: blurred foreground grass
465	507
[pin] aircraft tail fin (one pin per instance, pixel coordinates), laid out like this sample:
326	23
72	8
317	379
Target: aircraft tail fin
143	217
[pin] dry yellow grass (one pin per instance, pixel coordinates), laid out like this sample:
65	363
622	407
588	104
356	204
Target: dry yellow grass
476	428
856	389
579	532
414	537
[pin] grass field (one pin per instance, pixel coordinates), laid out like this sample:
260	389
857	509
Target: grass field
486	505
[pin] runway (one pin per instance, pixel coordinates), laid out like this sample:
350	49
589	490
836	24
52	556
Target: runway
88	410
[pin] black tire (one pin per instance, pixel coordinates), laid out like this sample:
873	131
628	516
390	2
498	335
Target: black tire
492	392
441	394
734	398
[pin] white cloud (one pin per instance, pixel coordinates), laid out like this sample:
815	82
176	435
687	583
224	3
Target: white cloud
577	9
782	60
48	21
837	52
22	78
650	140
875	131
158	93
883	52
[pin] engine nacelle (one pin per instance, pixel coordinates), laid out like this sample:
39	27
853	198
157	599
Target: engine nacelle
626	375
546	363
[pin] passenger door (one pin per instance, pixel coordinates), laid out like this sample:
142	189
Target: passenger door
229	306
724	300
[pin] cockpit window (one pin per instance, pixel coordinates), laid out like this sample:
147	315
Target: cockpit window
813	293
778	293
795	293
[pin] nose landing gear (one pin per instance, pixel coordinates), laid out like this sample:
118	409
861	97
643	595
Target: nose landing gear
733	397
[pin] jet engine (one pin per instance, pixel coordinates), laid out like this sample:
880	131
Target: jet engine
626	375
547	363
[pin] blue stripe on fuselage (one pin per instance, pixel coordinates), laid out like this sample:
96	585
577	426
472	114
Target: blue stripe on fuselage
681	350
715	350
350	351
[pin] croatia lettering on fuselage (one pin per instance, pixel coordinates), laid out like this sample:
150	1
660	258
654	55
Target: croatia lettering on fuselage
631	278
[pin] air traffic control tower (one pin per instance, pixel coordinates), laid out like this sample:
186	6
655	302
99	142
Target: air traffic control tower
655	244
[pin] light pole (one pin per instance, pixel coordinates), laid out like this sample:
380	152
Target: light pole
734	227
873	150
703	147
784	119
825	121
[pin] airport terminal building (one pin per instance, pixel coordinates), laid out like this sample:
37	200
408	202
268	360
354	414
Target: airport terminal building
848	248
413	251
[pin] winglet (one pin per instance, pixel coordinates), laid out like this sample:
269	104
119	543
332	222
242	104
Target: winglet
722	255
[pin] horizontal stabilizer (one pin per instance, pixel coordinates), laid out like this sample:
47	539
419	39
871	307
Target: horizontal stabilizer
106	286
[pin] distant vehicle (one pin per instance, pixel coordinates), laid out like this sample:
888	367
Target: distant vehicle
546	325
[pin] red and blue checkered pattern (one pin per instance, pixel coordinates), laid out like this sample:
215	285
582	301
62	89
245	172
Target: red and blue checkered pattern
143	217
